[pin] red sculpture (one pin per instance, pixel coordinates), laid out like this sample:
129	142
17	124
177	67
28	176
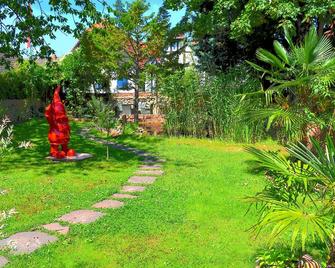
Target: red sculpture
59	132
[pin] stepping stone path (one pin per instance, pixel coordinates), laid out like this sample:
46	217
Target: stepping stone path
26	242
3	261
56	227
83	216
145	167
3	192
108	204
152	161
132	189
149	172
124	196
142	179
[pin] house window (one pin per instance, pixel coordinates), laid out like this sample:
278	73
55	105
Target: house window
122	83
97	86
174	46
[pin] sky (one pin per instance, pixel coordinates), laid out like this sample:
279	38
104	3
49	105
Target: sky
64	43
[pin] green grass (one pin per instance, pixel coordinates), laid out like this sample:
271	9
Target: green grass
193	216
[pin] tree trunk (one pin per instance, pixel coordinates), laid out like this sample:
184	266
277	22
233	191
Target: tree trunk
107	146
320	26
136	101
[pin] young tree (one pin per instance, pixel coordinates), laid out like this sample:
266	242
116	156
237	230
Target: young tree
104	117
129	44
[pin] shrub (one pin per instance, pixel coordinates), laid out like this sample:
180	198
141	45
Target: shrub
28	80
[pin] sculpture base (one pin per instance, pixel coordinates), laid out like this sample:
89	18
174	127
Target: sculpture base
77	157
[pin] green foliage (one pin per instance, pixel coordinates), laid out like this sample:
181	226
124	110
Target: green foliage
79	74
208	106
22	19
298	198
277	258
301	80
241	18
229	31
28	80
6	136
103	116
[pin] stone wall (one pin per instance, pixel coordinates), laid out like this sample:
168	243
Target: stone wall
151	123
21	110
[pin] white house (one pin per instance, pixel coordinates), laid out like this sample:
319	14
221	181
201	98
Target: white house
123	93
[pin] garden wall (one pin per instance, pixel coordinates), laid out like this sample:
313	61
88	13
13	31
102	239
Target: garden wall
151	123
21	109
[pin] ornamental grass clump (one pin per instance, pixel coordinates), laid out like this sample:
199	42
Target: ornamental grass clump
6	136
202	105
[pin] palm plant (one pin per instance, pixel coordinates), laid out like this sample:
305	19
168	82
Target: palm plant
299	197
302	77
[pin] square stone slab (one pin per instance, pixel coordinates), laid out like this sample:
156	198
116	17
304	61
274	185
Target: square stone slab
3	261
26	242
109	204
150	161
127	196
77	157
145	167
132	189
81	216
55	226
143	154
142	179
149	172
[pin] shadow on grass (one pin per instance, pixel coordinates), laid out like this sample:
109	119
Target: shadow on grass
254	168
36	131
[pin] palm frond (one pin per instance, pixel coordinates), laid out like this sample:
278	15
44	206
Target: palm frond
291	121
322	161
301	222
288	36
281	51
268	57
311	41
324	50
257	67
278	164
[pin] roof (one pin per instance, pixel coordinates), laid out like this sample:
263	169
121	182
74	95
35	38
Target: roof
12	62
142	95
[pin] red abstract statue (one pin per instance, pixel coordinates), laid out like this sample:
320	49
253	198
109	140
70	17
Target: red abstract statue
59	132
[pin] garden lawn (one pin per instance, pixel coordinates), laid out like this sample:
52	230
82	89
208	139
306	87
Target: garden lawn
193	216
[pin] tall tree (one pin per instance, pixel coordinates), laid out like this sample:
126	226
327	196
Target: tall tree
31	21
129	44
231	30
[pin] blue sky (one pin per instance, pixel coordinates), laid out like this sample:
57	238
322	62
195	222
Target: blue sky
63	43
